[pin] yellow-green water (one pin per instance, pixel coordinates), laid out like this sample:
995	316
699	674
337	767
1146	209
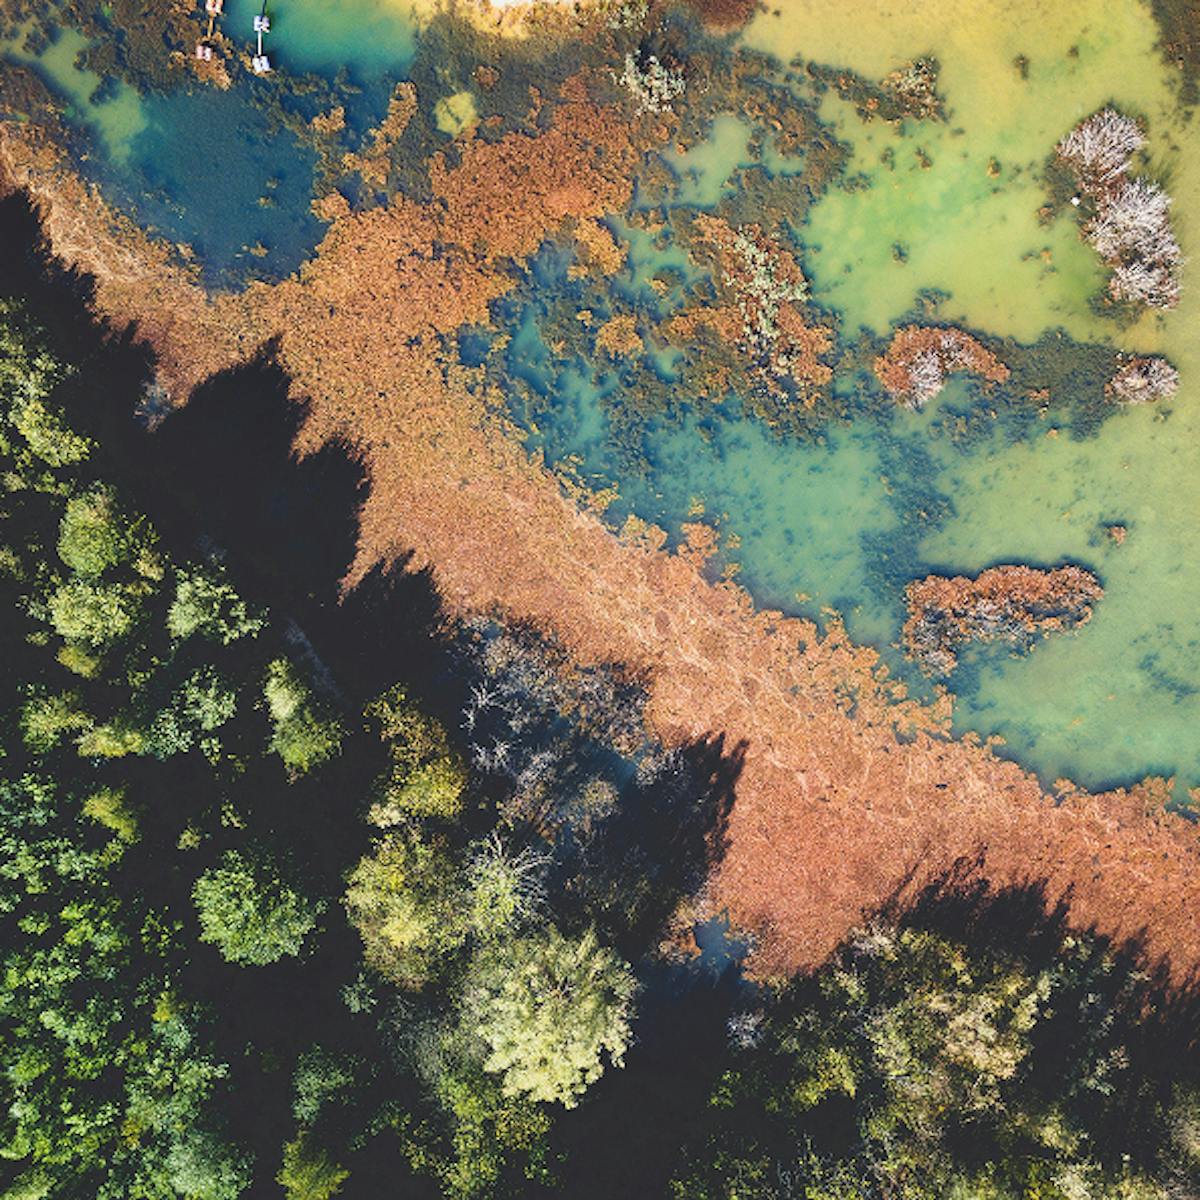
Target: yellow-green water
117	118
848	523
1123	695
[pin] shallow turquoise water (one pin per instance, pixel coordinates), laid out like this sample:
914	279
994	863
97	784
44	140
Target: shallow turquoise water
369	39
214	169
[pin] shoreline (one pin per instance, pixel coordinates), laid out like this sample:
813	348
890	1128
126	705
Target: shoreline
851	793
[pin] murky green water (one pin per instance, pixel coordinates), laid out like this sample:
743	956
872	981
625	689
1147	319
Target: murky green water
951	206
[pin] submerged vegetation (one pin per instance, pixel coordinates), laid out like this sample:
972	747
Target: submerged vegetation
1126	220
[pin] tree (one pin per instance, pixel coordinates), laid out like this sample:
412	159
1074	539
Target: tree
506	887
108	807
93	613
321	1078
249	913
549	1009
94	535
46	719
207	605
406	900
201	704
202	1166
425	778
308	1172
303	736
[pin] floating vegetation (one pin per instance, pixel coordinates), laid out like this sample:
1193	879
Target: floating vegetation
1128	220
914	367
1142	380
910	91
768	290
1011	604
652	84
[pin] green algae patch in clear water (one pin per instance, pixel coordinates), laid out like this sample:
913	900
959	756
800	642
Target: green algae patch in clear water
961	196
1121	697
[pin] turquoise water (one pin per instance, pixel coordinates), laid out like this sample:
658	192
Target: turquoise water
369	39
216	169
211	171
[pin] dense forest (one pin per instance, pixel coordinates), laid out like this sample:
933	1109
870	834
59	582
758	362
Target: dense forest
315	892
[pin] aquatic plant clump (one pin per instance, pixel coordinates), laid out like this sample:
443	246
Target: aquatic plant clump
1130	225
768	289
914	367
907	93
651	83
1100	147
1012	604
1143	380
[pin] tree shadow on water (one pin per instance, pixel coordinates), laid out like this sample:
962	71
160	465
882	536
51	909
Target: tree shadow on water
660	844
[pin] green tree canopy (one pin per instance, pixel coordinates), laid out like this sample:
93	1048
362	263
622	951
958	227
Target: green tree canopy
915	1065
94	613
303	735
549	1009
249	912
208	606
94	534
406	900
308	1171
